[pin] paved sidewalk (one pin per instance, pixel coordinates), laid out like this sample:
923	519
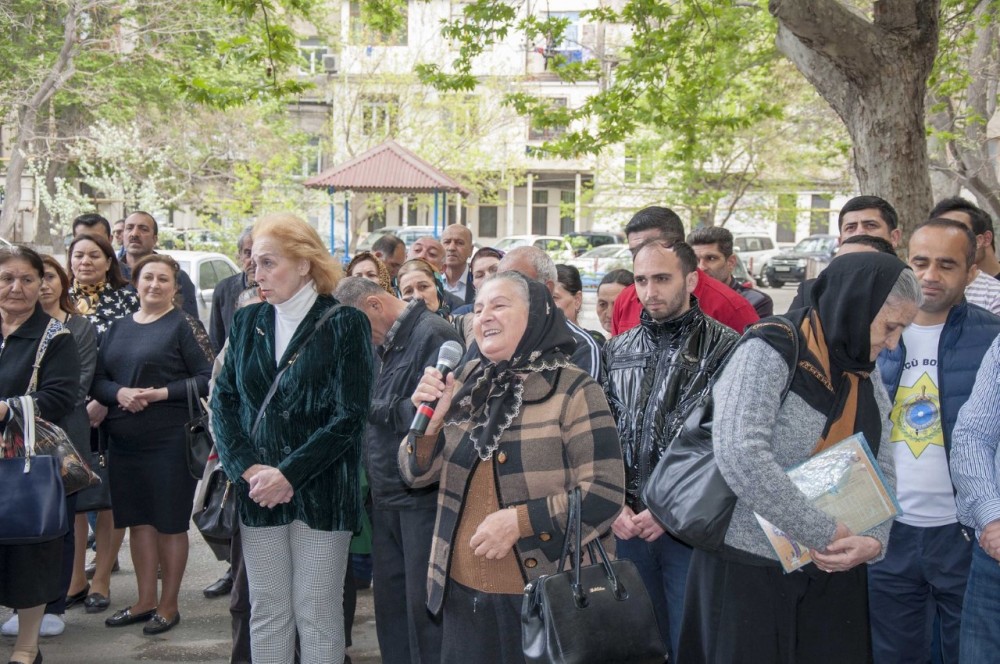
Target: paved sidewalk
202	636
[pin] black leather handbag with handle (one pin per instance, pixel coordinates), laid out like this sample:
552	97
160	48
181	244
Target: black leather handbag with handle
197	436
594	614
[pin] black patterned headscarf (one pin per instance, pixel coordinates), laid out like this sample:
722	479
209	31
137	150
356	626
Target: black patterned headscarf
490	396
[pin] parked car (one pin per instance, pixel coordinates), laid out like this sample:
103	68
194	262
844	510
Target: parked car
408	234
587	240
790	266
555	246
594	264
206	269
756	250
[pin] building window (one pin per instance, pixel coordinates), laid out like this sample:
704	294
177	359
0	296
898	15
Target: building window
488	220
536	133
449	214
408	211
787	217
567	212
460	115
312	157
539	211
363	35
569	47
378	114
819	217
312	51
638	165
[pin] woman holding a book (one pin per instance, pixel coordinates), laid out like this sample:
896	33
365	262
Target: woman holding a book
741	605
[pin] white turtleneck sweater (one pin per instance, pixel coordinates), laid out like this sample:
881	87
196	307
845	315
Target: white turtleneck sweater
289	314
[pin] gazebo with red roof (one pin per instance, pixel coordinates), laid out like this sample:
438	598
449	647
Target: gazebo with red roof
386	168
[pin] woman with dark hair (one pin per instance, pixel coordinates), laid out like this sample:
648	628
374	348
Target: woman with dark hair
146	365
568	296
30	573
740	606
55	300
102	294
516	431
611	286
366	264
418	278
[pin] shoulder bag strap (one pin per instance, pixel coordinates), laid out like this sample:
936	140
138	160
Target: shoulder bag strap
277	379
52	330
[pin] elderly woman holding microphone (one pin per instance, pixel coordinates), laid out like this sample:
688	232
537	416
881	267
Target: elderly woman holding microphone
516	431
289	412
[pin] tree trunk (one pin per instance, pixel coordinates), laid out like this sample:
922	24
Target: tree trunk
874	75
60	72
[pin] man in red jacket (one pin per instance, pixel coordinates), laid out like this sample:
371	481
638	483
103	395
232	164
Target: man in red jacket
717	300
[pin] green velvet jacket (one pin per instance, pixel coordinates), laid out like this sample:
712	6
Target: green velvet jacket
313	427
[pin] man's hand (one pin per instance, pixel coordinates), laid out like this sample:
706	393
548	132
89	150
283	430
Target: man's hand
990	540
496	535
624	526
649	528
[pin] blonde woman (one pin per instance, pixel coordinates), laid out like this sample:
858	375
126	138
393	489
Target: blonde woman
297	471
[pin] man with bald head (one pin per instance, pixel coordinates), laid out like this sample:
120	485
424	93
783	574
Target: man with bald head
430	250
457	241
140	236
538	266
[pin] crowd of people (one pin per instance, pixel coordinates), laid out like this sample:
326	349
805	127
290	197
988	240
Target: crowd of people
331	414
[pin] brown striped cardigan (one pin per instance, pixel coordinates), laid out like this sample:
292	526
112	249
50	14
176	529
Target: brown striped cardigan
563	437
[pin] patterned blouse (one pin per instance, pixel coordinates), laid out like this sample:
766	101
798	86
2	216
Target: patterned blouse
104	305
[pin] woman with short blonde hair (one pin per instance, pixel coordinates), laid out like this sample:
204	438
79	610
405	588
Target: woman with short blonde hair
289	411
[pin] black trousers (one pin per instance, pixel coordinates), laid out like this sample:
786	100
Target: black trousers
58	605
479	627
401	548
743	613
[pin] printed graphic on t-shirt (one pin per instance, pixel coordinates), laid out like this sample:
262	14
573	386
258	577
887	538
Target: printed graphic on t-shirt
916	416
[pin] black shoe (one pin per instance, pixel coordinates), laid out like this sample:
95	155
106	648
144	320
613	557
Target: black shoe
126	617
37	660
158	624
77	598
223	586
96	603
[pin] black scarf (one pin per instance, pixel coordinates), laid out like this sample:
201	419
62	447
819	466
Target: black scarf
834	362
490	396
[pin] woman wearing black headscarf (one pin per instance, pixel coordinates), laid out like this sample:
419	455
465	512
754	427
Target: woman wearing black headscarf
515	432
740	605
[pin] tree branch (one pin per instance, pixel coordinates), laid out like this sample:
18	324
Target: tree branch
832	29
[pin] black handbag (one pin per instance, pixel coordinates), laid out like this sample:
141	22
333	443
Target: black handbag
34	503
197	436
97	498
49	440
596	614
217	518
686	491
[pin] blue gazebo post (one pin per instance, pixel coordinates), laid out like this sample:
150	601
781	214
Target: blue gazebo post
435	214
333	220
347	228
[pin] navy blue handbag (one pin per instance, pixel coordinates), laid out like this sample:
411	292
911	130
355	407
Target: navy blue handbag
34	504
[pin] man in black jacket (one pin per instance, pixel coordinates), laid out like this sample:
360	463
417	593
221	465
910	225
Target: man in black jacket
408	337
653	373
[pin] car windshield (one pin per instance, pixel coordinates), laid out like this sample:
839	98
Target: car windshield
814	245
606	251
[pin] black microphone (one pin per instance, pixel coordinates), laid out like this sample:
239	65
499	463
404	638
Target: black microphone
448	358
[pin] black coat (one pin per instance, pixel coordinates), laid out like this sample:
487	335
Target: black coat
412	345
58	375
653	373
224	298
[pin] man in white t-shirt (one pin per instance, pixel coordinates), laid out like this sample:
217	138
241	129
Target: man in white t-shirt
921	581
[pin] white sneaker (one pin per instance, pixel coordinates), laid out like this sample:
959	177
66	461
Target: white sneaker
52	625
10	627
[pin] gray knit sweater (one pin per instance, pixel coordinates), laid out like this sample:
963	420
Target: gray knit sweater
755	439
